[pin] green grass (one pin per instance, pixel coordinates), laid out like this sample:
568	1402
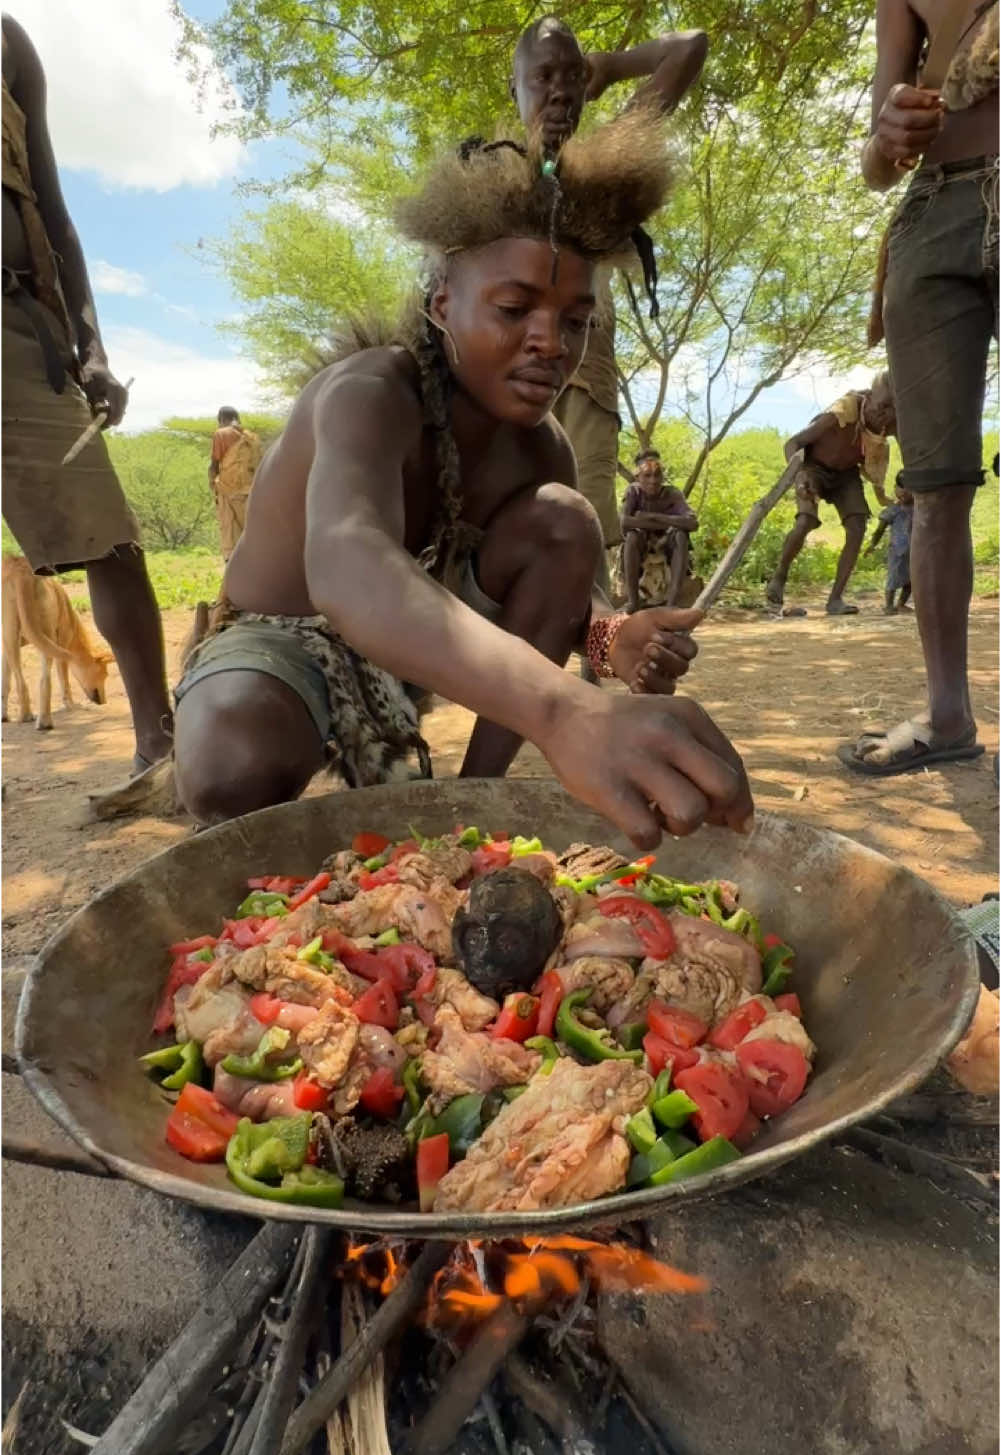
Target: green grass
180	578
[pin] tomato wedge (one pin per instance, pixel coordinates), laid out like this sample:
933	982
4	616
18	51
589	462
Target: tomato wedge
432	1164
491	856
661	1053
674	1024
653	929
380	1095
775	1073
199	1127
550	990
308	1094
182	972
409	846
311	887
789	1002
519	1018
188	947
367	846
721	1096
401	965
389	874
265	1008
379	1006
731	1031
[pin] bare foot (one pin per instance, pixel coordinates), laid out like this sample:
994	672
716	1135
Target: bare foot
775	592
837	607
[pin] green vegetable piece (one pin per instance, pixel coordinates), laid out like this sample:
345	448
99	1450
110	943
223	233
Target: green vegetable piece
206	954
645	1164
462	1120
262	902
717	1152
595	1045
776	969
411	1084
548	1050
183	1063
278	1149
674	1109
641	1131
661	1086
259	1067
678	1145
270	1160
471	838
311	1187
377	861
631	1036
521	846
511	1093
388	937
315	954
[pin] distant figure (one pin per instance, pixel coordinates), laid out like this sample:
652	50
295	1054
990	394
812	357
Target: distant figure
899	518
236	454
654	514
841	445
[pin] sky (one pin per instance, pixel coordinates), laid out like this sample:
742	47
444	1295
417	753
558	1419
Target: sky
145	179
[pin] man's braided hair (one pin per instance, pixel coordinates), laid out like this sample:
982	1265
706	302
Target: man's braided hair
590	199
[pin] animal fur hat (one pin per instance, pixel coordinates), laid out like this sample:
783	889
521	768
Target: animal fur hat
598	192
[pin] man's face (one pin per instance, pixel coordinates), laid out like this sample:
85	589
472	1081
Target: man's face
904	497
517	334
550	78
880	415
650	474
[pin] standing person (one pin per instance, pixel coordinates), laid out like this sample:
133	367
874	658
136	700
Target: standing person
651	508
898	518
551	83
939	312
55	377
417	522
841	445
236	454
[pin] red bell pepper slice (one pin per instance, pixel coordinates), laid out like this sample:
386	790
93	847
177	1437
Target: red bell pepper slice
309	889
379	1006
367	846
732	1030
308	1094
401	965
647	860
188	947
652	928
491	856
676	1025
789	1002
770	941
775	1074
519	1018
182	972
549	988
721	1096
432	1164
388	874
199	1127
380	1095
661	1053
260	882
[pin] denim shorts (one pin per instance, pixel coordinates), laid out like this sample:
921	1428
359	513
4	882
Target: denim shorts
940	311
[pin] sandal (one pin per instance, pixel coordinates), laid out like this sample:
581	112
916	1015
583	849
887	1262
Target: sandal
905	748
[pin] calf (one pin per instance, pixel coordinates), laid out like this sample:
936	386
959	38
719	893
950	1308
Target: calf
37	610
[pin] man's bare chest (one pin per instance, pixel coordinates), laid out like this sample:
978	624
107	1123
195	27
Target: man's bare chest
482	483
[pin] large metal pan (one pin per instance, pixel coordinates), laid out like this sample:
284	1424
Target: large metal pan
886	973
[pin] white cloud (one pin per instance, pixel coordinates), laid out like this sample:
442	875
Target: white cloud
172	379
821	387
107	278
120	104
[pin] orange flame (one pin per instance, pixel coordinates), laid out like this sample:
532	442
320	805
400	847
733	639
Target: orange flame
375	1265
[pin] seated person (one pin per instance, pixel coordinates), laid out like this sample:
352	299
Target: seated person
652	510
417	523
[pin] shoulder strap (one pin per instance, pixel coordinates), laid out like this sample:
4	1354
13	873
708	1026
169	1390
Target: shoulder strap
945	42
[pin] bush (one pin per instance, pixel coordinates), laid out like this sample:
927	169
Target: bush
165	477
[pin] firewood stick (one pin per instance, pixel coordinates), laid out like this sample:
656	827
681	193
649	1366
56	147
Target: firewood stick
467	1379
737	548
365	1408
181	1380
401	1304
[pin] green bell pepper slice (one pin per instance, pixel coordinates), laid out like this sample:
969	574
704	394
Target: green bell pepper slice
262	902
631	1035
521	846
182	1062
668	1148
511	1093
315	954
674	1109
206	955
717	1152
257	1067
471	838
277	1150
462	1120
411	1084
776	967
548	1050
388	937
661	1086
595	1045
377	861
640	1131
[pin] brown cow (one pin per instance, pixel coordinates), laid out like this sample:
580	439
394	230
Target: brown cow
37	610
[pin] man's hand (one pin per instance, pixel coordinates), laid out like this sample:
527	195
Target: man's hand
910	120
103	392
650	651
650	762
599	74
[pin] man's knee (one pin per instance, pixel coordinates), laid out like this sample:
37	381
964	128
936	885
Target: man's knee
563	520
854	528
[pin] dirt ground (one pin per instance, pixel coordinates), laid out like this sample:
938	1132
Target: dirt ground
787	692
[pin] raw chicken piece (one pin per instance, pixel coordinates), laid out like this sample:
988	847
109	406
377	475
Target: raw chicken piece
259	1100
379	1047
289	978
239	1037
542	865
424	915
561	1141
327	1043
452	988
465	1061
445	860
612	979
707	991
700	942
598	935
781	1025
582	859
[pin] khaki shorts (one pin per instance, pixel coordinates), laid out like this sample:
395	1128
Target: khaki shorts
841	488
594	434
62	516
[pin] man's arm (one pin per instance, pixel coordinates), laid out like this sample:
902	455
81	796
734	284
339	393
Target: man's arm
811	434
27	86
685	520
673	64
877	536
905	120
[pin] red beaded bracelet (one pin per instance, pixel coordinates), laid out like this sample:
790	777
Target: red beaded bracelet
600	636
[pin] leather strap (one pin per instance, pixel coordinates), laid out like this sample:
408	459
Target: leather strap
55	368
952	27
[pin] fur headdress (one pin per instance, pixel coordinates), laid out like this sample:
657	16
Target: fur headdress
591	198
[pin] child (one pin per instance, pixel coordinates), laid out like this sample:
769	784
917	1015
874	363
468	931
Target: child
899	518
417	522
